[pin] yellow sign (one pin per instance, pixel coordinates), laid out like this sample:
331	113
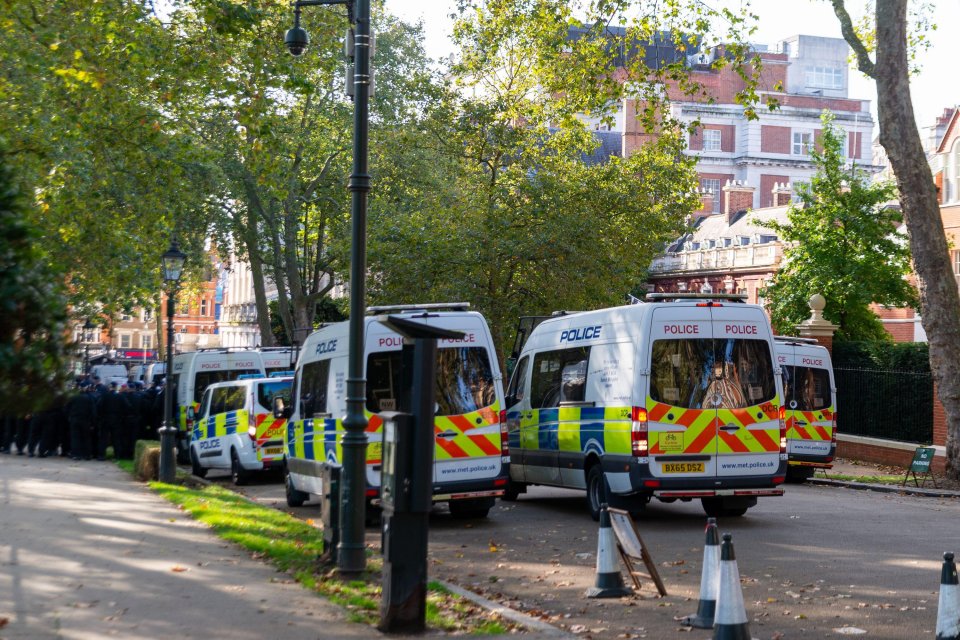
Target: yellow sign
683	467
671	441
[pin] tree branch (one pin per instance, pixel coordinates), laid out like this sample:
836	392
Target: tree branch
864	63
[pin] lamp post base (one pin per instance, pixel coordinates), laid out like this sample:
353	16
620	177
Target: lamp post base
168	459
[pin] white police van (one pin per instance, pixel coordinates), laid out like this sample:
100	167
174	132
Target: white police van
470	461
193	372
235	427
811	406
277	360
676	398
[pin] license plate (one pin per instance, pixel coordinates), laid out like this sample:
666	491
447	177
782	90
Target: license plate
273	451
683	467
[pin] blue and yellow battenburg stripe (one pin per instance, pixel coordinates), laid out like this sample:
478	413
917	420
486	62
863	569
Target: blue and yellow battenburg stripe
222	424
319	439
573	429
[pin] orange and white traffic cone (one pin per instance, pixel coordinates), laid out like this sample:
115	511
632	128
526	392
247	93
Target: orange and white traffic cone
948	609
730	622
709	580
609	582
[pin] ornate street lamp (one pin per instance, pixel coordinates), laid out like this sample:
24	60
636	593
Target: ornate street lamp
351	553
172	268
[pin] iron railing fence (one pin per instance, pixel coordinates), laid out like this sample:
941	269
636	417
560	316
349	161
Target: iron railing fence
894	405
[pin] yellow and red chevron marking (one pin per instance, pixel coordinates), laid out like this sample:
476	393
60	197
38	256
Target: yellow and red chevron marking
466	444
270	428
702	429
819	425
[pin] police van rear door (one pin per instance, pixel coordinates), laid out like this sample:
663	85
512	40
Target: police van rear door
810	408
682	423
743	388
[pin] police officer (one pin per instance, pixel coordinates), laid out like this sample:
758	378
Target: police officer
82	416
112	411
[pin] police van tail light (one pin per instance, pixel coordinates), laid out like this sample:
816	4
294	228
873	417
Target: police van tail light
638	432
252	432
783	429
833	429
504	440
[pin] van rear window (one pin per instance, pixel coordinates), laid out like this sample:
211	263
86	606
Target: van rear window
706	374
267	391
464	381
809	387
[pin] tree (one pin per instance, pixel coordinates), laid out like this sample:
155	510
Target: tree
85	89
33	308
506	206
843	243
939	297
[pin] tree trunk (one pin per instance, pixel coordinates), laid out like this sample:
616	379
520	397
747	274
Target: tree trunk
939	298
259	292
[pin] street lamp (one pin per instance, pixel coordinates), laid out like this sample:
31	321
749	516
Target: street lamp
172	267
351	556
87	328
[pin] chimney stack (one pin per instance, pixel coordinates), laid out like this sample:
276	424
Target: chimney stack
782	194
737	197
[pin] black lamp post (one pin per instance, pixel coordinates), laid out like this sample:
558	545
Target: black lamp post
351	557
172	267
87	328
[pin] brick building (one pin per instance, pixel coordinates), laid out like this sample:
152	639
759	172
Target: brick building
804	74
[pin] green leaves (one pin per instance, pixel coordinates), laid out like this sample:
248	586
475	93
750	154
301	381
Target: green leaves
844	243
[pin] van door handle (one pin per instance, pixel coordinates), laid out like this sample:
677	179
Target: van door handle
450	433
730	427
800	423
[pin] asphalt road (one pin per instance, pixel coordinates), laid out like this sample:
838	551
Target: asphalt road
819	562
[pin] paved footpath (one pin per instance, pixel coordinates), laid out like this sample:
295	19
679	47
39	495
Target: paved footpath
86	553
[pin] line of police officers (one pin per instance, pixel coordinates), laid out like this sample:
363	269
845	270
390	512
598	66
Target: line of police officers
87	421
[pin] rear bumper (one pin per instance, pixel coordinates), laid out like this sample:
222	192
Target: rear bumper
642	482
486	488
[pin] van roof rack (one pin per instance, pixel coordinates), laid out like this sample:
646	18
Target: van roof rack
733	297
430	306
218	350
795	339
563	312
269	349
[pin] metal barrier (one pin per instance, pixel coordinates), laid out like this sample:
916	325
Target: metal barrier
895	405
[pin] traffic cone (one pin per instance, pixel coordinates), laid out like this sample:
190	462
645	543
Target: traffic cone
709	580
948	609
609	580
730	622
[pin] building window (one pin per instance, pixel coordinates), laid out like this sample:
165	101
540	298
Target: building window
147	315
712	185
825	77
711	139
203	307
146	341
124	340
802	143
955	259
798	188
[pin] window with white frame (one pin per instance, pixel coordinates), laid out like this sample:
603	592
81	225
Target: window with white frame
146	341
825	77
203	307
802	143
951	174
712	185
125	340
711	139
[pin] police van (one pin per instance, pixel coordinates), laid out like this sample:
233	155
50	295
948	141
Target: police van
193	372
675	398
277	360
235	427
470	461
811	406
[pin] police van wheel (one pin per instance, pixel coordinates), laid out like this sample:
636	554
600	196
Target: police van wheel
513	491
798	475
718	508
470	509
195	468
596	491
295	497
240	475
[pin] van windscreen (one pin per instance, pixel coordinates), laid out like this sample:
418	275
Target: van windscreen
464	381
808	386
706	374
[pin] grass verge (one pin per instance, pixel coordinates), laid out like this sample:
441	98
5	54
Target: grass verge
294	546
869	479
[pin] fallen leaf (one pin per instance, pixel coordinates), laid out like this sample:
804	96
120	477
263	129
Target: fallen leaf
178	569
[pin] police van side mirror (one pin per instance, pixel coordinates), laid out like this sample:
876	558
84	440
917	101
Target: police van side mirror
280	408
